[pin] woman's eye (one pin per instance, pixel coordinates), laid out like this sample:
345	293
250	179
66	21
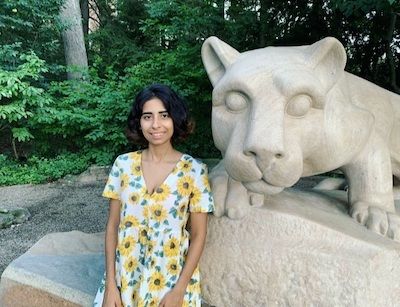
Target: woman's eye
165	115
299	105
236	102
146	117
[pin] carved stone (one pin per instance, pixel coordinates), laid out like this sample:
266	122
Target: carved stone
282	113
299	249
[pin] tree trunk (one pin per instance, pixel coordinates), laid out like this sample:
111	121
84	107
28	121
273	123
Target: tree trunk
72	35
85	16
389	53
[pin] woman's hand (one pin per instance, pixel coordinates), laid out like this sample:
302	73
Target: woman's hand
173	298
112	297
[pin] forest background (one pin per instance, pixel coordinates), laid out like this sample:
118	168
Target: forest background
58	119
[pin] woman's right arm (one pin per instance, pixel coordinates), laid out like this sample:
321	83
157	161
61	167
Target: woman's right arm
112	296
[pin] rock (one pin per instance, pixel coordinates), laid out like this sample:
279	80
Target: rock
12	217
6	220
61	269
300	249
92	175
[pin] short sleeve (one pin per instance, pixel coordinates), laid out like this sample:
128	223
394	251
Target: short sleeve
113	185
201	199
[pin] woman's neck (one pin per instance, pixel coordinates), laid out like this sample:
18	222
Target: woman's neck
159	154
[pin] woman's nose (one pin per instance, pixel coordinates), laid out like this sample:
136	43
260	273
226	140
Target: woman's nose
156	123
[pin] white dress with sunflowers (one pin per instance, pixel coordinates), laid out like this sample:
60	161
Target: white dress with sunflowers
152	236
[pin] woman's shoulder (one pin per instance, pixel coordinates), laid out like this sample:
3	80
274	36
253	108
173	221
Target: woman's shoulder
129	156
196	163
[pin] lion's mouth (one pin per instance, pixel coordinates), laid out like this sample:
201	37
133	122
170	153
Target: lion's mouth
263	187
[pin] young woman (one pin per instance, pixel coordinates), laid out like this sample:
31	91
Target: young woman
159	200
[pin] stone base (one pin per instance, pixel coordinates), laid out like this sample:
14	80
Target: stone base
299	249
62	269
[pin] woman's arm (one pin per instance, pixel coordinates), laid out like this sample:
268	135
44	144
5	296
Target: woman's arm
112	296
198	231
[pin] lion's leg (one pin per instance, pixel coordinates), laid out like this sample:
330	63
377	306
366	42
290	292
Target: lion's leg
371	189
231	198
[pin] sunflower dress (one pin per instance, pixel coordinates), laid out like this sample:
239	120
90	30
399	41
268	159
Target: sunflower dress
152	236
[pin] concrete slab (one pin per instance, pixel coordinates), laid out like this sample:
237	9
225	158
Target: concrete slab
61	269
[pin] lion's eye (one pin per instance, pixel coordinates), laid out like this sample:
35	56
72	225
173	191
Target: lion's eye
236	102
299	105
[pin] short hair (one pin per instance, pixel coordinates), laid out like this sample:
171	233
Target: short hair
173	103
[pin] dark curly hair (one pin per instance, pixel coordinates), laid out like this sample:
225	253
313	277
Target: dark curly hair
173	103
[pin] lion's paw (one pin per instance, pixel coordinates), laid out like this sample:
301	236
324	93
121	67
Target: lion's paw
394	226
374	218
377	219
231	198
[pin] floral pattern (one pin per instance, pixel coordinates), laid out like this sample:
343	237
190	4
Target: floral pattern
152	236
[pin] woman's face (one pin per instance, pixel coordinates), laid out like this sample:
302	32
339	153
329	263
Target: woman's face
157	126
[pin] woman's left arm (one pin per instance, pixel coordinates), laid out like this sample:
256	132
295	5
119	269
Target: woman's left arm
198	232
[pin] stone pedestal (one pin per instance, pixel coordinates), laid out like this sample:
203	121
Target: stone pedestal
299	249
62	269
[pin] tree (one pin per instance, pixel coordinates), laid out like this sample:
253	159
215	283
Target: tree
74	43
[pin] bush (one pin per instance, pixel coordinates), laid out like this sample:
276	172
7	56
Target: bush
41	170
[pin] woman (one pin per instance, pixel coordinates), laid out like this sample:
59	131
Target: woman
155	196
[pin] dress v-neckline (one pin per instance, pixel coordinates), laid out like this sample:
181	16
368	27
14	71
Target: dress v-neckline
165	179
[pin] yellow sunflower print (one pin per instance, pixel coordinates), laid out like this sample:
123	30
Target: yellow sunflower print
161	193
172	267
124	181
156	282
111	194
136	170
154	302
184	166
146	213
171	248
158	212
195	196
131	264
140	302
152	231
206	182
182	210
126	246
150	246
130	221
143	236
124	284
185	185
135	156
193	286
133	198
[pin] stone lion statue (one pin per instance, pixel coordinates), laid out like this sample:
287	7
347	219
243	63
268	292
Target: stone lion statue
282	113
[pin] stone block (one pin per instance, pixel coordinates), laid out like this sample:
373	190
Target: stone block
61	269
300	249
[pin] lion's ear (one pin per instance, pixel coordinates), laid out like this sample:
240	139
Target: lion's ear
217	56
328	58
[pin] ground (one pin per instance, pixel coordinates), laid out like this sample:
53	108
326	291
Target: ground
74	203
54	207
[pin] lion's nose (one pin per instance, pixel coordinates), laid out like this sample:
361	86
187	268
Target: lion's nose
277	155
261	151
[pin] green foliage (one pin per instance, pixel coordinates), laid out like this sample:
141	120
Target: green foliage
140	42
41	170
88	116
34	25
353	7
20	99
